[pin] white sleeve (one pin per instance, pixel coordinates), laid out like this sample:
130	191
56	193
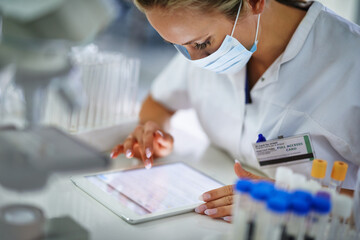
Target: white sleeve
170	88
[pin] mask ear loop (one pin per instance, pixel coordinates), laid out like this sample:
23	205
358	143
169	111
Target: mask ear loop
237	17
257	29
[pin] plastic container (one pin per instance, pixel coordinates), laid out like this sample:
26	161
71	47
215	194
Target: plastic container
299	208
321	208
241	209
318	170
338	175
282	177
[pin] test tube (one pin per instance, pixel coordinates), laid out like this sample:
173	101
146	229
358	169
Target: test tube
341	210
338	175
260	193
318	170
282	177
277	209
319	217
241	208
296	180
300	208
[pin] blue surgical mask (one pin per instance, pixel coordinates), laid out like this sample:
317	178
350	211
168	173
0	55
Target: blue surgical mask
230	58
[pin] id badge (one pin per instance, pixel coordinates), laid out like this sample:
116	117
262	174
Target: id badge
284	151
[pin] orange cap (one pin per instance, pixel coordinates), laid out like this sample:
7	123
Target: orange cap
339	170
318	169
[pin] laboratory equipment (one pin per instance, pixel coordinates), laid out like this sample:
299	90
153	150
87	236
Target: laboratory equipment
320	209
35	41
341	211
318	170
241	209
282	177
338	175
300	208
110	81
276	217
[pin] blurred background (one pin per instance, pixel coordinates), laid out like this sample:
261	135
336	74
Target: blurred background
127	43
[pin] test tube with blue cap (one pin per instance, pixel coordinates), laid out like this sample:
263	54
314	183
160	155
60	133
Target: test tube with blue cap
321	208
277	209
241	208
260	193
300	208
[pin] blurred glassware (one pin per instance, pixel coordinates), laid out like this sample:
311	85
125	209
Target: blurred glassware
110	82
12	104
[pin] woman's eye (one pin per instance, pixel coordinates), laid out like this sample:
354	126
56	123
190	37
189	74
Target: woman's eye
203	45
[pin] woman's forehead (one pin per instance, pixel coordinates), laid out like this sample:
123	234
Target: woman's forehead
183	25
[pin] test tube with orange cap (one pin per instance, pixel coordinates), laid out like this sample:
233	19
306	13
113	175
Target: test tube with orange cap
318	170
338	175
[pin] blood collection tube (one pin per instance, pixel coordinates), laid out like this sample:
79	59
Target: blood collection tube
296	181
318	218
300	208
338	175
282	177
241	208
260	193
318	170
275	217
341	210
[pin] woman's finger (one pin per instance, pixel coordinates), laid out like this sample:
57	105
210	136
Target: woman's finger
117	150
129	146
217	193
242	173
225	201
164	139
138	134
219	212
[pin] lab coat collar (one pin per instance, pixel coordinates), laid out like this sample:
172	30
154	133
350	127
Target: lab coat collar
303	30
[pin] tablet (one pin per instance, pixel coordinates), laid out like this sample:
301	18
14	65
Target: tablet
139	195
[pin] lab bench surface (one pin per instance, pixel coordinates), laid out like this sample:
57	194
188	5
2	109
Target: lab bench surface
62	198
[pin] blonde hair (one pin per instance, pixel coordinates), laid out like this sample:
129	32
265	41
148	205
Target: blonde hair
227	7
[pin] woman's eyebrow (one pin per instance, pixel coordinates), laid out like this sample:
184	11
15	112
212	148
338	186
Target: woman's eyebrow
189	42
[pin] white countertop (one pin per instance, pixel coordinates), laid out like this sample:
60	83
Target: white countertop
62	197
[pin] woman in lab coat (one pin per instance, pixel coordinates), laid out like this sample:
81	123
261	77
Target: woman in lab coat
249	67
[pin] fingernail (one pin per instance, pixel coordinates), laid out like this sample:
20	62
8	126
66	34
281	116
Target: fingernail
147	164
128	153
205	197
148	152
210	211
237	161
112	155
228	218
160	133
200	208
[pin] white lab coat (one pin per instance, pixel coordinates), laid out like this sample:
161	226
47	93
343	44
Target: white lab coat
313	87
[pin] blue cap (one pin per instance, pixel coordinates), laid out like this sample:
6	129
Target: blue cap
262	191
307	196
323	195
321	205
243	185
300	206
281	193
261	138
278	204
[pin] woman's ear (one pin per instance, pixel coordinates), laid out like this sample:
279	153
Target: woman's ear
257	6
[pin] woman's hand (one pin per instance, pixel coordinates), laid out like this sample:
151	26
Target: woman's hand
218	202
147	142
